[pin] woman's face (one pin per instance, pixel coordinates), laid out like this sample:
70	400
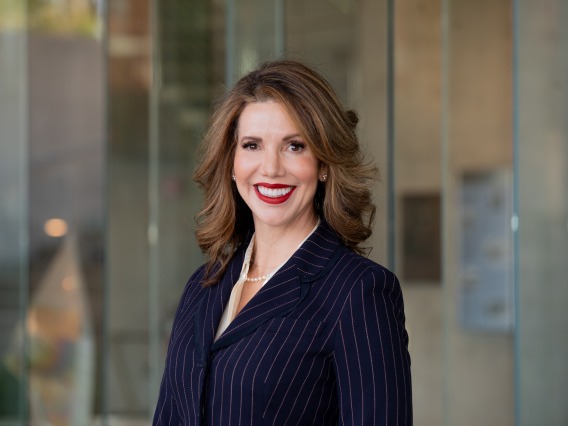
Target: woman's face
275	171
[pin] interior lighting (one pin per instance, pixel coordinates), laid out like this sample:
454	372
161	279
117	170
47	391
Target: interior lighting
55	227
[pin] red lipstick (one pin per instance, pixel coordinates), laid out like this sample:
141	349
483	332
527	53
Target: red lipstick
273	200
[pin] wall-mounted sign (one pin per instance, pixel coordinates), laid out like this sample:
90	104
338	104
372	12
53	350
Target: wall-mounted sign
486	251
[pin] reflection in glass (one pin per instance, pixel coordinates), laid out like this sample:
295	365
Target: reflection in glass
70	17
55	227
13	208
61	344
252	37
51	185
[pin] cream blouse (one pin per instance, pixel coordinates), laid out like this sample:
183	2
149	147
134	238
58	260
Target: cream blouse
230	311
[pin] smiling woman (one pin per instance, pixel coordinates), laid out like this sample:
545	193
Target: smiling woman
286	323
275	172
317	119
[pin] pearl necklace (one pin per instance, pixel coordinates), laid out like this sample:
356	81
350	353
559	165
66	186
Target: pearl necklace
256	279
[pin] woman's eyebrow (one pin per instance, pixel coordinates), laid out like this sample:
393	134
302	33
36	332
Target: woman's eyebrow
251	138
292	136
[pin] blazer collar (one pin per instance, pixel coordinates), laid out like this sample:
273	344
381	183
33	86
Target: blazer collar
281	294
211	307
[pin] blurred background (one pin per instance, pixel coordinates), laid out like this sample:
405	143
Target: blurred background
463	106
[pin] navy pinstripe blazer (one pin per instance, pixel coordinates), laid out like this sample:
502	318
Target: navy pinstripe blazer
322	343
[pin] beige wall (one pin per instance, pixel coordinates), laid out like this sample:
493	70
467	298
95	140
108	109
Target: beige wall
459	377
479	366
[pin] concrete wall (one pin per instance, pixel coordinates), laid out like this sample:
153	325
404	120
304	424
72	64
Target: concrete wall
459	377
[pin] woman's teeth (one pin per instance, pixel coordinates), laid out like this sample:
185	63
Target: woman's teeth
273	192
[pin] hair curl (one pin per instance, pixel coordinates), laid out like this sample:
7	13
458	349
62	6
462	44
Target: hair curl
343	201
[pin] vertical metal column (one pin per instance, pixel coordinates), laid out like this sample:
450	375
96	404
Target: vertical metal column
153	207
391	136
230	43
279	28
445	215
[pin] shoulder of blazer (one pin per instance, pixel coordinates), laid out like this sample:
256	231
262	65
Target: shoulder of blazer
365	269
193	285
373	267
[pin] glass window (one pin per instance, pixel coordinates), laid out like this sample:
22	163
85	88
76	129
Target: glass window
53	151
13	212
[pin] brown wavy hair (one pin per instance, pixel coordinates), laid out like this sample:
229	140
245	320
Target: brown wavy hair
343	201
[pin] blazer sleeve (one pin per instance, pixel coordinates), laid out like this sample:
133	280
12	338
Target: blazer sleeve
372	364
166	409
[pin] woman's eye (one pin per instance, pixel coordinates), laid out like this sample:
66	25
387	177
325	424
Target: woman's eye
251	146
297	146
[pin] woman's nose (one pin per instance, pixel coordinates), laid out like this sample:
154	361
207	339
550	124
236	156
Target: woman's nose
272	164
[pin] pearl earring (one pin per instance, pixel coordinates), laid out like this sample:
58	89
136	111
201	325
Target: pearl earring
234	177
324	177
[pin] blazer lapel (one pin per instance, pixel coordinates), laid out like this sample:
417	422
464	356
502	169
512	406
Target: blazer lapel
211	307
287	288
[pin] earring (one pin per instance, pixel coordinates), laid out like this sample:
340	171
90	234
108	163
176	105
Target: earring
234	177
324	177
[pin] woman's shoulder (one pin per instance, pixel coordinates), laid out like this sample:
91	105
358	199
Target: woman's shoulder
352	262
368	270
194	285
197	275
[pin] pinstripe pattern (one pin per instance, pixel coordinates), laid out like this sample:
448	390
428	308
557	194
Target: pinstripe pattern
323	343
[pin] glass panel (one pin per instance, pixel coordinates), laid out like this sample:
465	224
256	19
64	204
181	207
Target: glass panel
166	67
67	139
127	312
13	212
345	40
253	35
477	209
188	75
542	177
52	112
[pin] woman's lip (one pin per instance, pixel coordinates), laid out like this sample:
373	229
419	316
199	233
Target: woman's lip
274	200
273	185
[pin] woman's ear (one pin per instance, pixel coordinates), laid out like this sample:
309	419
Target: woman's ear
323	172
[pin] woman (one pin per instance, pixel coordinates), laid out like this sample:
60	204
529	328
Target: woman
286	323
